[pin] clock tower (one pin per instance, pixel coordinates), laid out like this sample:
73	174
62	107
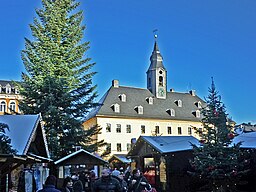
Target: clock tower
157	74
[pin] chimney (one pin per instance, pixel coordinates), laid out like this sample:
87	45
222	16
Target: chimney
192	92
115	83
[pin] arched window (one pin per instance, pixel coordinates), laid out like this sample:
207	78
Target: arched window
12	106
3	106
161	80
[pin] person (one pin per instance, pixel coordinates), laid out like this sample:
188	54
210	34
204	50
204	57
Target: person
67	185
50	184
106	183
92	179
77	184
119	176
138	182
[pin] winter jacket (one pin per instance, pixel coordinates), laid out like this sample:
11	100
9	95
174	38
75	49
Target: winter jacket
107	184
49	188
140	185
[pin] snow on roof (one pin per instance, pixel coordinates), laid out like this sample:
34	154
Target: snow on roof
248	140
167	144
122	158
21	129
77	152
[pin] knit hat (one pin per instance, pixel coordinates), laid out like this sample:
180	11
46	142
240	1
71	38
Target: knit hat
116	173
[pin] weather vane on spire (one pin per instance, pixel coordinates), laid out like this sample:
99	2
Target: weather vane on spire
155	33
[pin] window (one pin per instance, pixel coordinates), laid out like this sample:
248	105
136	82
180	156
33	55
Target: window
160	80
157	129
143	129
116	108
3	106
200	132
108	127
8	89
118	128
17	90
199	104
128	128
169	130
171	112
122	97
108	147
139	109
129	146
118	147
197	113
179	131
189	130
179	103
12	106
150	100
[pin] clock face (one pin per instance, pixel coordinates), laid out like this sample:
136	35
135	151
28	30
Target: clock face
161	91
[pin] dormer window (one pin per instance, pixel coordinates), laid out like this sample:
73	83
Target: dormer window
139	109
116	108
197	113
198	104
171	112
150	100
8	89
17	90
178	103
122	97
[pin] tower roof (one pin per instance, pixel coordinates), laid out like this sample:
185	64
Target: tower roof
156	59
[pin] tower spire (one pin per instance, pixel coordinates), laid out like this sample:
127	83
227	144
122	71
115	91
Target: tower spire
156	74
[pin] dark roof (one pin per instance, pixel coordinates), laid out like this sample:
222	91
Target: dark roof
165	144
25	130
120	157
137	97
3	83
156	59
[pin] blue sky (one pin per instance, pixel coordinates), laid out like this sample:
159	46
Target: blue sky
198	40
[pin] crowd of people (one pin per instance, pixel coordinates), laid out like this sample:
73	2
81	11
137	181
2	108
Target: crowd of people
109	181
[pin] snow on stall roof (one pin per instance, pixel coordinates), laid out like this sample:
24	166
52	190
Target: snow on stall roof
122	158
21	128
167	144
248	140
77	152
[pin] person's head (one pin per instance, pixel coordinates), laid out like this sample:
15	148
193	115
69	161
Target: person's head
67	182
136	172
115	173
75	177
105	172
51	180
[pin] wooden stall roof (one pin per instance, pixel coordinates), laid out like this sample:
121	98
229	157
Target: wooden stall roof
162	144
120	157
80	157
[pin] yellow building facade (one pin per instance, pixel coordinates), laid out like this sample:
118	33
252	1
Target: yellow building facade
9	97
125	113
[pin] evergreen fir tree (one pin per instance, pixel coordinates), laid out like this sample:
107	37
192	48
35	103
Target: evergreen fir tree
216	160
58	78
5	141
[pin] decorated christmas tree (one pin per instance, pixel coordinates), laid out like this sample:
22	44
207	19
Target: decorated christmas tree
217	161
